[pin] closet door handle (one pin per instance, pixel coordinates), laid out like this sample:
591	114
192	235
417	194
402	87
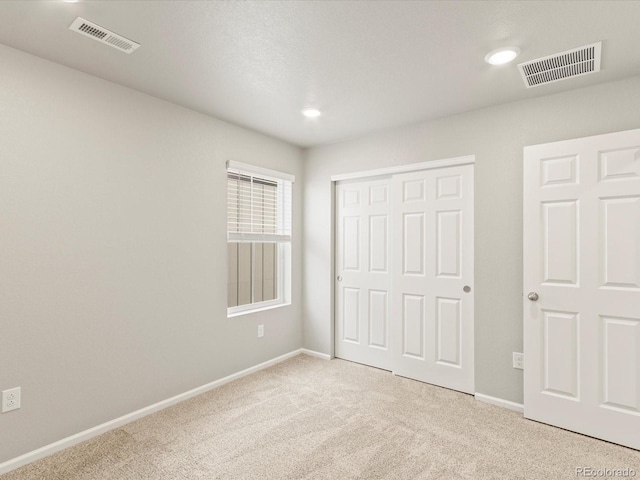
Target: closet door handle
339	278
466	289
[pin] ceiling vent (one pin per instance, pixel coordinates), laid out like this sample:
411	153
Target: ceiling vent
103	35
572	63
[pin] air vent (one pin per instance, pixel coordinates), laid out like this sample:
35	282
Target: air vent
572	63
103	35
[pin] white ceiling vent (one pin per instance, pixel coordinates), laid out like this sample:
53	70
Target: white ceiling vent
103	35
572	63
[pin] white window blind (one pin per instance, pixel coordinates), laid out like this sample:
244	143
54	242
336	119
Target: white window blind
258	204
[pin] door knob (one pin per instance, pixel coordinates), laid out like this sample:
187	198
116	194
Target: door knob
466	289
533	296
339	278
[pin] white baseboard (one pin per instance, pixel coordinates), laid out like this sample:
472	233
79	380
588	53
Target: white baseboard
518	407
313	353
143	412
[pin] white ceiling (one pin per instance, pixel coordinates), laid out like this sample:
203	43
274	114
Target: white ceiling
368	65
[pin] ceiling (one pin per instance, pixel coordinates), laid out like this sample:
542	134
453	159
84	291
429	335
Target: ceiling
368	65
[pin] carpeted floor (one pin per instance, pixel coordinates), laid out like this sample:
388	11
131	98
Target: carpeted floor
312	419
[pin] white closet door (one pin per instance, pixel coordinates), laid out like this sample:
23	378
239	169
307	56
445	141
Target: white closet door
363	272
582	280
432	328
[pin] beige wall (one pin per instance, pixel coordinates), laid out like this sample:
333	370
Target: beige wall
496	137
113	251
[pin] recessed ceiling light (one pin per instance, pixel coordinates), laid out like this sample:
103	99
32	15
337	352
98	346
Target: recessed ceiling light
311	112
502	55
70	1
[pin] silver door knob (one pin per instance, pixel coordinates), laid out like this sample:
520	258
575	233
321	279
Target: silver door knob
339	278
466	289
533	296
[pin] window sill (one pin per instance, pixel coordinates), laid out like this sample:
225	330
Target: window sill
256	310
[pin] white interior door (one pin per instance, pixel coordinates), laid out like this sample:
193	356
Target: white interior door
363	272
432	330
582	280
404	255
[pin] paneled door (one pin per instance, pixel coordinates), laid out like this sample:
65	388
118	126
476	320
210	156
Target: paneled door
582	285
432	278
404	274
363	272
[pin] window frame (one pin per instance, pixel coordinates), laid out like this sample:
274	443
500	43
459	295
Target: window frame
284	247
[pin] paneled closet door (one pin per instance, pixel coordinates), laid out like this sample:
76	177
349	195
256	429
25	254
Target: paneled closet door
363	272
432	328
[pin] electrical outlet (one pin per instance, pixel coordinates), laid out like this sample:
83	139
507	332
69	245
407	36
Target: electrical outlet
260	331
518	360
10	399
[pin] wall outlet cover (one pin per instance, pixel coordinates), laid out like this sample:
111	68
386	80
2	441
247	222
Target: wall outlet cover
518	360
10	399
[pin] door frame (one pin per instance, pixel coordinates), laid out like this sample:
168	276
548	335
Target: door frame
361	175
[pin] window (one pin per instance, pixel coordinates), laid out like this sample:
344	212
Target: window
258	236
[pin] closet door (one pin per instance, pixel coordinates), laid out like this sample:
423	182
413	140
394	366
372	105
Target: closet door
432	280
363	272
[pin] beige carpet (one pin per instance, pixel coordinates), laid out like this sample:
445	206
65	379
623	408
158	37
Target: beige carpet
313	419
